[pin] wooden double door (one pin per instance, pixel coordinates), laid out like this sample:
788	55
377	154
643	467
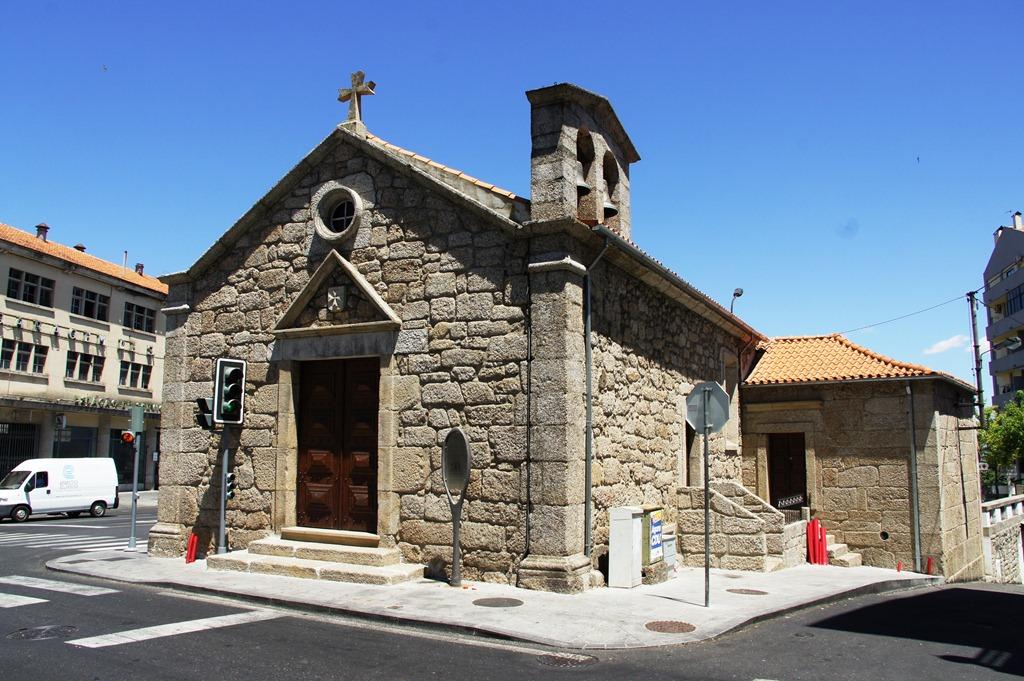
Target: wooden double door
337	438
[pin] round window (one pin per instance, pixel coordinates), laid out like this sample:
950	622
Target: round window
336	211
342	216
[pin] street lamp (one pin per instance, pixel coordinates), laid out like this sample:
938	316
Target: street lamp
735	294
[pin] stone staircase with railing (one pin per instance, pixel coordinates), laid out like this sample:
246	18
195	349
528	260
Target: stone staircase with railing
312	554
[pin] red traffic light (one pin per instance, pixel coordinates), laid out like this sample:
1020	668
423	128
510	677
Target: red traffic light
127	437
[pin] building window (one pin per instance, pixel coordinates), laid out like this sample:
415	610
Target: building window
23	356
135	375
139	318
89	304
1015	300
30	287
84	367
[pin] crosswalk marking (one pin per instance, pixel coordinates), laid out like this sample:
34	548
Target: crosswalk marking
13	601
73	542
52	585
65	542
111	547
174	629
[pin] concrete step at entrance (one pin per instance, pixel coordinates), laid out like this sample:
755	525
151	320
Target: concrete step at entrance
773	563
335	553
848	559
284	566
830	539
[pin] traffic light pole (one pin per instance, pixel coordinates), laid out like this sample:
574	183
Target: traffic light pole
135	491
223	535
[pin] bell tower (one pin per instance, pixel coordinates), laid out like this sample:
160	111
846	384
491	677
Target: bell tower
580	159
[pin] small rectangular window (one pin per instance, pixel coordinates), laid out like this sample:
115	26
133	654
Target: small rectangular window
39	359
135	375
139	317
84	367
6	353
42	480
89	304
29	287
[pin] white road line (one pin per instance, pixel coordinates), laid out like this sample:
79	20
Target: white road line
69	541
109	547
12	601
174	629
30	535
80	526
52	585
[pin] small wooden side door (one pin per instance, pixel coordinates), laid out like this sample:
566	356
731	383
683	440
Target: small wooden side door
337	467
787	470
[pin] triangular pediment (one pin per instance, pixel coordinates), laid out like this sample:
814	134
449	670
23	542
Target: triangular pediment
337	299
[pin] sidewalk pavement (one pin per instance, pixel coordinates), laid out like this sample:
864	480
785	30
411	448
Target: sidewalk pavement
647	616
147	499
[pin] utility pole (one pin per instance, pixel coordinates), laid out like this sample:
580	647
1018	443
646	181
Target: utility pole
972	303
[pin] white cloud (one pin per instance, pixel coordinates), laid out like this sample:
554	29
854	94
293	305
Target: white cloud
957	341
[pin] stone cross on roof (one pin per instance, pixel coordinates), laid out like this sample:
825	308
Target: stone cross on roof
354	94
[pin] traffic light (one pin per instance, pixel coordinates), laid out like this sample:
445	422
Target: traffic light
229	486
127	437
204	417
229	391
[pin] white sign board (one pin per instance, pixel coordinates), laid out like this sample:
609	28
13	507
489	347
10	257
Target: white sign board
717	401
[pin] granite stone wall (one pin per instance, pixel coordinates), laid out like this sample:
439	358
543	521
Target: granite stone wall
858	442
648	353
458	284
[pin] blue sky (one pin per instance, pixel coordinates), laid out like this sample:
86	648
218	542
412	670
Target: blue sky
843	163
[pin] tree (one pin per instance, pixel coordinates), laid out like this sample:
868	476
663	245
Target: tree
1002	439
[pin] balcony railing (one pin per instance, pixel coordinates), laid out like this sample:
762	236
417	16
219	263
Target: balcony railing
999	290
1004	326
1014	360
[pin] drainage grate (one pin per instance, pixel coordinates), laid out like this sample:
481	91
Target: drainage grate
498	602
566	660
43	633
748	592
670	627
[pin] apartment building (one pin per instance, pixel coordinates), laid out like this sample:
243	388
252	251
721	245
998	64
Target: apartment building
1004	302
82	342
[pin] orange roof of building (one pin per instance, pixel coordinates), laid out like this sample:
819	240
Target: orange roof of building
808	359
76	257
434	164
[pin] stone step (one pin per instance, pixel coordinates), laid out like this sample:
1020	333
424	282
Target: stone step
836	549
316	534
243	561
848	559
335	553
773	563
830	539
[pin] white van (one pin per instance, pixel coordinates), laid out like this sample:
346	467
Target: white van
59	486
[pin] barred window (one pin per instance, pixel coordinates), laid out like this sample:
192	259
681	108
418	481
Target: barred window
89	304
23	356
139	317
30	287
1015	300
135	375
84	367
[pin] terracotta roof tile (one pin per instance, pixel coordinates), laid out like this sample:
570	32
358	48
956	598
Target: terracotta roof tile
25	240
452	171
804	359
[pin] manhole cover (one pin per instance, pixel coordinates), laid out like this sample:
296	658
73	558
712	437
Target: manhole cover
498	602
566	660
43	633
670	627
748	592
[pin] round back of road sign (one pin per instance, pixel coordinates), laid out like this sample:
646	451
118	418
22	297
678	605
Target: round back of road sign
455	458
717	407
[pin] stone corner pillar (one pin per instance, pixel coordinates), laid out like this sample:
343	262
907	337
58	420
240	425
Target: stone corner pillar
555	559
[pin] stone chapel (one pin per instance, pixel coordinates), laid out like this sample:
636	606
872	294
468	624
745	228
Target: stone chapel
381	299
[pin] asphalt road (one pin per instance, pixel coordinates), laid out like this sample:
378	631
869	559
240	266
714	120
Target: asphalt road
69	627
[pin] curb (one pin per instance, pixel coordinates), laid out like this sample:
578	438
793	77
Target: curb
887	586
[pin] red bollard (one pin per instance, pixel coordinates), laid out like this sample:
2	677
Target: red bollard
899	566
190	552
928	570
822	546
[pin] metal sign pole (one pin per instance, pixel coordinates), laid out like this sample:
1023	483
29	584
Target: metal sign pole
707	506
135	491
456	547
222	534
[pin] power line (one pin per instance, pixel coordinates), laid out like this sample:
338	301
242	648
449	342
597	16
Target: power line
904	316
